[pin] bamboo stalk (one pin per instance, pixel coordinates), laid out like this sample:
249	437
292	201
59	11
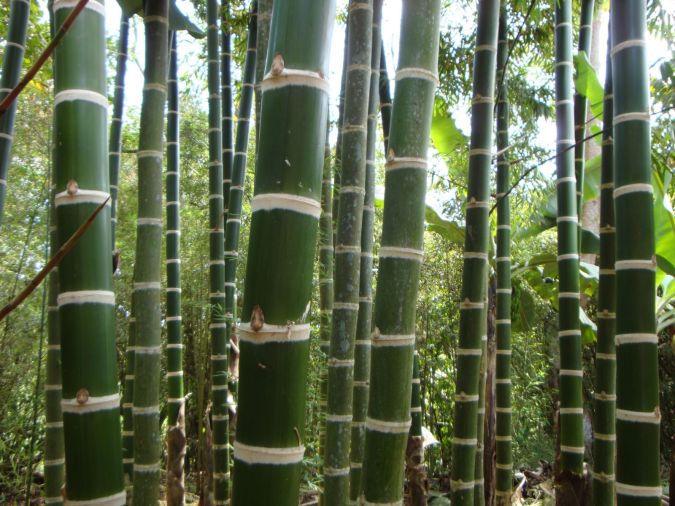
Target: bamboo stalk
11	69
86	302
569	333
473	311
504	465
226	98
348	253
604	423
637	405
400	255
115	141
364	322
147	269
274	334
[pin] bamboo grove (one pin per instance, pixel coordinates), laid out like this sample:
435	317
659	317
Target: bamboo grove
311	254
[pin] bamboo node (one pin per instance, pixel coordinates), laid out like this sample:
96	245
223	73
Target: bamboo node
257	318
72	187
82	396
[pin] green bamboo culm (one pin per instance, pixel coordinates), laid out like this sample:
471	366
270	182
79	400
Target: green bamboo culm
217	212
263	16
53	449
127	406
569	333
337	169
348	253
115	141
503	434
146	287
12	63
604	424
479	472
474	280
401	253
365	316
86	302
637	405
226	101
581	106
274	332
385	98
325	288
174	334
414	458
233	223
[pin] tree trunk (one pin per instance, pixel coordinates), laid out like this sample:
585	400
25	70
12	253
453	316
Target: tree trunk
474	281
12	63
274	334
86	303
637	406
401	252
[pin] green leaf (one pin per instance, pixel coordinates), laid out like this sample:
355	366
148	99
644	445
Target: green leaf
590	242
664	225
587	83
449	230
588	328
592	175
447	138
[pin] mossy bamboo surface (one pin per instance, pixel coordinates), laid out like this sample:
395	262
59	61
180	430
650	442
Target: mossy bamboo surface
474	280
604	423
217	212
401	253
637	405
146	287
90	400
364	322
226	102
348	253
12	63
115	141
503	433
581	105
569	333
274	333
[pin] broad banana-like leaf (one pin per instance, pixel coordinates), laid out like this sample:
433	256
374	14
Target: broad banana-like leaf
664	225
587	83
448	139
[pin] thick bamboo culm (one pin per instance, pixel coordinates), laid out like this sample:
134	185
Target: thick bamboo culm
348	253
637	394
604	423
274	331
503	435
400	255
474	280
569	333
364	321
15	46
86	303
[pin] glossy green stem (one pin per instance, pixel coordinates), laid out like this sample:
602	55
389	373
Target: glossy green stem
400	255
473	304
226	98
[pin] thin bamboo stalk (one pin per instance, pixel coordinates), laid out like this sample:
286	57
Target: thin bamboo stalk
147	269
388	420
115	141
348	253
637	404
604	423
274	334
11	69
365	319
569	333
473	310
226	98
86	302
504	465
